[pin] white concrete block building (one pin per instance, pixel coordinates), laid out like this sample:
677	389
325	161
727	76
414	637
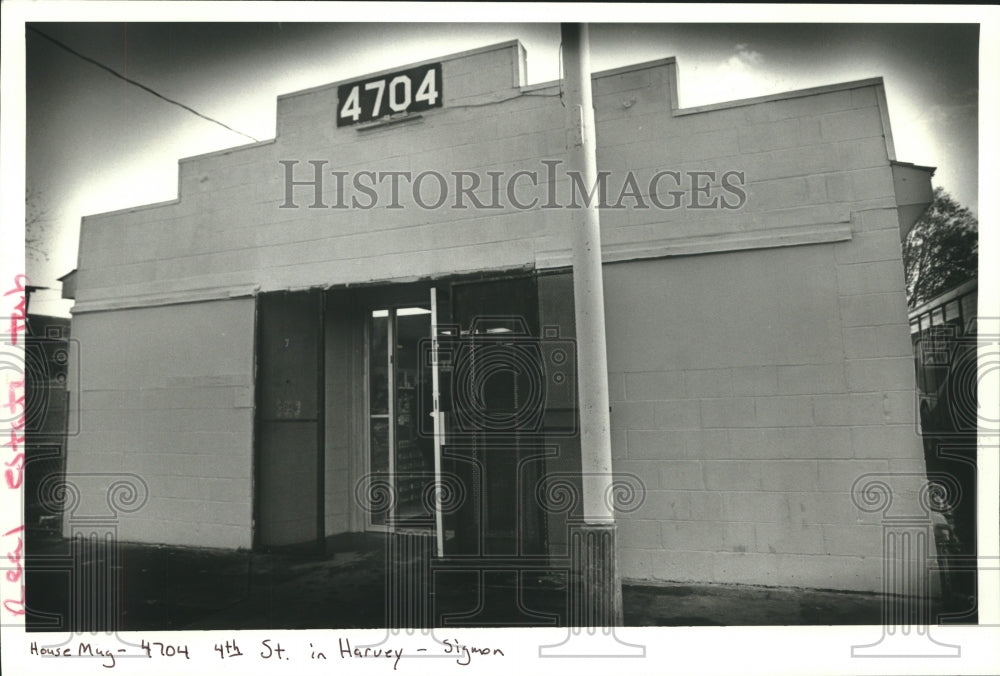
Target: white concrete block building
255	350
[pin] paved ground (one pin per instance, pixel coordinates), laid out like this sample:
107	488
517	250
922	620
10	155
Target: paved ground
181	588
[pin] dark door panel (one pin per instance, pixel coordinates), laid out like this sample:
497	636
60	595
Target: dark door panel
494	399
288	470
286	483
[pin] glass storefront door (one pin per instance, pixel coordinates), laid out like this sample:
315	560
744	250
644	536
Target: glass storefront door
401	451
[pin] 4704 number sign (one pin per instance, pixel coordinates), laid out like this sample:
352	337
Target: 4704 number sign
408	91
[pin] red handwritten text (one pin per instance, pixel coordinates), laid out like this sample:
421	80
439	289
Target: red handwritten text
18	320
14	475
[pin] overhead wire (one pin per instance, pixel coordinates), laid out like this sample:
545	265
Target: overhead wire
150	90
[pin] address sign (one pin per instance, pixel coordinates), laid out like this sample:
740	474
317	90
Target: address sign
407	91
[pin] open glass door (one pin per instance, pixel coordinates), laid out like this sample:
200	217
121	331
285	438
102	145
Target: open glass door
438	424
403	456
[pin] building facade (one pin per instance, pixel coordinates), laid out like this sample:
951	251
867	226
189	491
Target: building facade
302	345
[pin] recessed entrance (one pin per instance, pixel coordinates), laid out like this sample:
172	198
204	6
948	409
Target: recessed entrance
416	408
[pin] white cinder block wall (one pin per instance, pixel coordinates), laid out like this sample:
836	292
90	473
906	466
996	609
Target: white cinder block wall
751	388
166	395
748	417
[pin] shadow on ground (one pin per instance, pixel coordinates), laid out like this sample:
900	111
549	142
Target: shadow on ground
171	588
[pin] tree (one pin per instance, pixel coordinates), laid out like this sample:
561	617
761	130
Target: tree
36	227
941	251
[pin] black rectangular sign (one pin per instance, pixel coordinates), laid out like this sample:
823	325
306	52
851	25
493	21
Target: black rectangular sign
407	91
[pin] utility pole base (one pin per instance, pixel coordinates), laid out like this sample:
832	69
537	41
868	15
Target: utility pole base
595	588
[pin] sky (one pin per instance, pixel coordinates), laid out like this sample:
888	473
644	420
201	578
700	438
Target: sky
96	143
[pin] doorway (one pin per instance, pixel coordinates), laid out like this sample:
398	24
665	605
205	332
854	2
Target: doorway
455	398
401	453
418	408
496	397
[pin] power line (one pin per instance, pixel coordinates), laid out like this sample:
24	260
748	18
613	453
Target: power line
137	84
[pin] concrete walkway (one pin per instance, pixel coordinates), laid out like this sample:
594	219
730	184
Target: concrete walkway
183	588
